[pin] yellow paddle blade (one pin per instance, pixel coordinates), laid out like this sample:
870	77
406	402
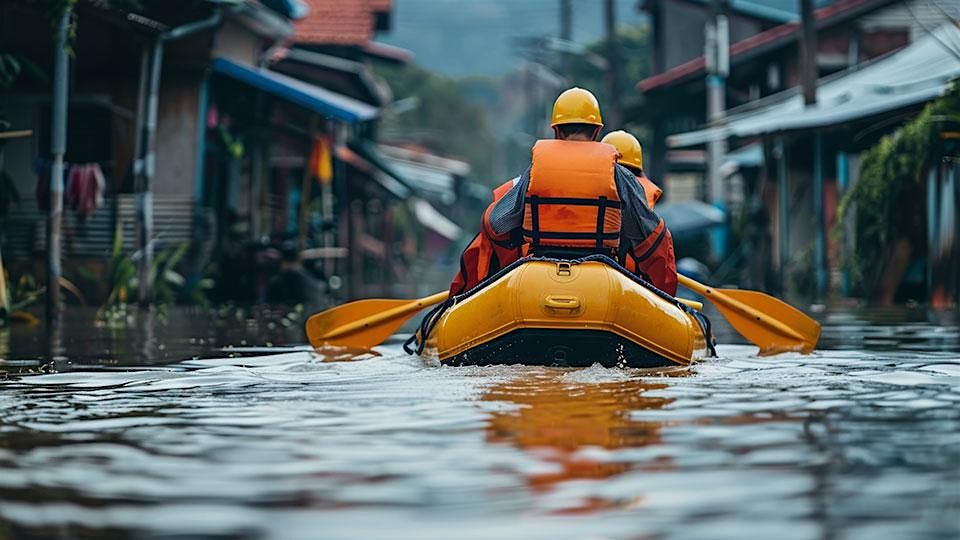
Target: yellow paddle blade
364	323
757	324
322	328
769	323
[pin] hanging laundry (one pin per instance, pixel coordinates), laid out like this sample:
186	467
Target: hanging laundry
85	188
73	187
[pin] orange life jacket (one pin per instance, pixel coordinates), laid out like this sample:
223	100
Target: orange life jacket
572	199
487	253
651	190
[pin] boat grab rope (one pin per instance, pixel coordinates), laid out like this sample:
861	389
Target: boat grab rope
430	320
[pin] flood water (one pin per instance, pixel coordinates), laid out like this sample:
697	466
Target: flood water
148	428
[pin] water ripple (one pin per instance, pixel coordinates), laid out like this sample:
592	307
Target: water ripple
847	444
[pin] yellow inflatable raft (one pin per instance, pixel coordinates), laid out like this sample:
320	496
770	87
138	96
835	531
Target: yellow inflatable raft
565	313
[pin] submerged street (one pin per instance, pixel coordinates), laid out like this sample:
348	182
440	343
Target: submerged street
858	440
480	270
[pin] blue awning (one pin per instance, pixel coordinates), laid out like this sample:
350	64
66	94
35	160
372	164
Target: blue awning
314	98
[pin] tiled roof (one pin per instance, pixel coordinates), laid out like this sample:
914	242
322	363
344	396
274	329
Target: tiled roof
339	22
381	5
778	35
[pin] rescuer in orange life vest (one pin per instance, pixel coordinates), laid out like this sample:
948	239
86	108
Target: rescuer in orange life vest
574	200
631	157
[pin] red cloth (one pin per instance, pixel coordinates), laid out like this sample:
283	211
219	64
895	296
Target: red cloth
85	187
468	277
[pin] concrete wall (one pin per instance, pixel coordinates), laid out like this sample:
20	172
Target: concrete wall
177	135
683	36
236	43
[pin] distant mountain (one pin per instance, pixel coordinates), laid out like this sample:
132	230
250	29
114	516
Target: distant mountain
475	37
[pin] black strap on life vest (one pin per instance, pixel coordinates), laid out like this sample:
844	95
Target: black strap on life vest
656	243
602	203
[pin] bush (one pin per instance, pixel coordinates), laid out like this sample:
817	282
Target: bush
889	196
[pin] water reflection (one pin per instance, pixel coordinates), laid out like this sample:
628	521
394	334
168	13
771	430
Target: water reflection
839	444
4	341
85	337
54	328
571	425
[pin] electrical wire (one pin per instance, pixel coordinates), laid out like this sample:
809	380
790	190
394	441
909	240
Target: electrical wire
932	33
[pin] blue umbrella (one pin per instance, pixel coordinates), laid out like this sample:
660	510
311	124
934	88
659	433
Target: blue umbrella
690	216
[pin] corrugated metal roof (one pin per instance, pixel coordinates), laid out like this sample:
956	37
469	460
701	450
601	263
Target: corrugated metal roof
386	171
393	186
915	74
431	218
435	184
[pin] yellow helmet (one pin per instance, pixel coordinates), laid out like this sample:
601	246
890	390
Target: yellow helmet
576	106
631	154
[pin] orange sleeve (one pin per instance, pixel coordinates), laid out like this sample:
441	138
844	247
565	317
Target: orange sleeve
473	264
655	260
651	190
476	258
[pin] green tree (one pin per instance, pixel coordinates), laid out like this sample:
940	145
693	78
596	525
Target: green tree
889	198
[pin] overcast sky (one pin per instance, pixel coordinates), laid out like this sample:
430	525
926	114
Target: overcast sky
466	37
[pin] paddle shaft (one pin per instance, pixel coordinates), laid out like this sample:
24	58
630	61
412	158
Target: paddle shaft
399	311
718	297
698	306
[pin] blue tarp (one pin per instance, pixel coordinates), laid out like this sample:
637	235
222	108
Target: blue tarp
314	98
689	216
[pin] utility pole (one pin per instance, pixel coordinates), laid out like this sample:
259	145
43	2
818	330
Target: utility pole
783	210
808	53
718	68
58	146
566	34
808	79
146	165
614	68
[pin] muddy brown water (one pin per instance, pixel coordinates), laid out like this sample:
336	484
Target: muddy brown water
221	424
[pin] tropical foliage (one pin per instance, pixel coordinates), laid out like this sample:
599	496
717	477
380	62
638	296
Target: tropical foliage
889	197
19	297
169	286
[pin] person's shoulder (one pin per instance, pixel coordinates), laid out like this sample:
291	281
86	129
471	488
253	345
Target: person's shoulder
625	178
630	189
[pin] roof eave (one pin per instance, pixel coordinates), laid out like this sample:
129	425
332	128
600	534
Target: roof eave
260	20
750	52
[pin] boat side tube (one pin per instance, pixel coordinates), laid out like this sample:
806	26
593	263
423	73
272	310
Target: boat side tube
415	343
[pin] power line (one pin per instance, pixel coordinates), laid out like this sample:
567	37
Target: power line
932	33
